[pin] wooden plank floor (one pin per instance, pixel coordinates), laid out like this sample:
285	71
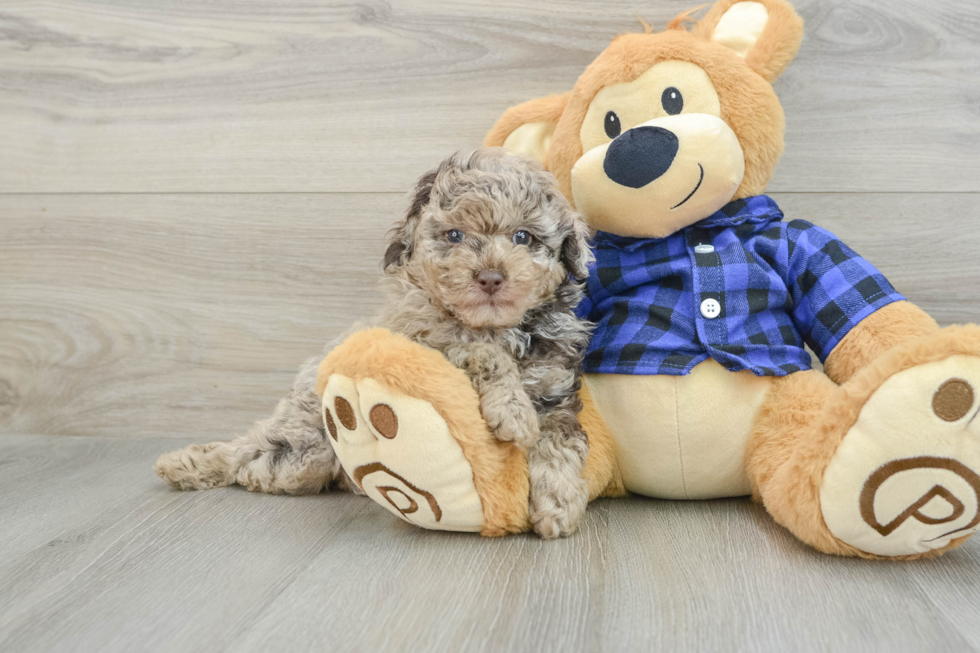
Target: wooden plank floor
98	555
193	198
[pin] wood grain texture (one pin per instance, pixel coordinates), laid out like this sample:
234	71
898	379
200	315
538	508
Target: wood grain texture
123	563
141	315
311	95
193	200
187	315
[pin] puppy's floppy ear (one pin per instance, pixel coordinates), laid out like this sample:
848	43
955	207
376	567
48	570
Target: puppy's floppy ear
766	33
527	128
401	238
576	255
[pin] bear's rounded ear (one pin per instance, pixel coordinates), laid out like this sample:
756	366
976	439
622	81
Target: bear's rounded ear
527	128
766	33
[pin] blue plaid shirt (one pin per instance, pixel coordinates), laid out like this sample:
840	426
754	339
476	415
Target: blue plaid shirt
778	284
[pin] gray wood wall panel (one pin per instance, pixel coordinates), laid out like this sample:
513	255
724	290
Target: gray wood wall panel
183	315
308	95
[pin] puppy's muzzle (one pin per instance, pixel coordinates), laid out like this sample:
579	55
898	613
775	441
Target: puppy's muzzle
640	155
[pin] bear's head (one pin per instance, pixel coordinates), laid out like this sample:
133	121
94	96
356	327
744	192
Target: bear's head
664	129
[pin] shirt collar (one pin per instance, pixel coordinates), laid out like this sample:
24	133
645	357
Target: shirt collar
755	210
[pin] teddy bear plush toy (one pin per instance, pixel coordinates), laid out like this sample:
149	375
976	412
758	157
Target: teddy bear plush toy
697	381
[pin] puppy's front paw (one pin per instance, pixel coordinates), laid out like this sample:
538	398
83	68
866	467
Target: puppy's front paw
557	510
517	424
559	494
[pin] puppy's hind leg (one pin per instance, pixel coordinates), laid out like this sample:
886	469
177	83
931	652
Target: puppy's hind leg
287	453
199	466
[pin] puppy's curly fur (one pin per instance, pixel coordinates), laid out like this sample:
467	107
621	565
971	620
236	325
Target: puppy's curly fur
521	345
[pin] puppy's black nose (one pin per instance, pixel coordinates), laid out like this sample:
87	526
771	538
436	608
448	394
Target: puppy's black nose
490	281
640	155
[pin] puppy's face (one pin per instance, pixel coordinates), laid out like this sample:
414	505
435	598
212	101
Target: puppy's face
489	237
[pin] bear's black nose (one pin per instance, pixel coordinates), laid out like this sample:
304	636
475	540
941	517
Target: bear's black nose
640	155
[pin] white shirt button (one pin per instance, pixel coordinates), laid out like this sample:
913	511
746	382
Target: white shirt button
704	249
710	308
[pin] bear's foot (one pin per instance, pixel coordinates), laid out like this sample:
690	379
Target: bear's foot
399	451
905	478
406	426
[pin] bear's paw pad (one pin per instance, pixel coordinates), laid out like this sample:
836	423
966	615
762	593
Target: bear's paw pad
401	453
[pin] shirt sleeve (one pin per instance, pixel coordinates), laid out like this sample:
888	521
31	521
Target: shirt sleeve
833	288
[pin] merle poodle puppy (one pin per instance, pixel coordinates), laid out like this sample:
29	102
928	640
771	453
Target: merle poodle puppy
483	268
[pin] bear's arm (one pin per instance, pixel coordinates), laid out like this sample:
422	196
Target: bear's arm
874	335
846	310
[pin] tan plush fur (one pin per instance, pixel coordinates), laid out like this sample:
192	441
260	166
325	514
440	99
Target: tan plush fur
499	468
546	109
783	447
892	325
748	103
778	43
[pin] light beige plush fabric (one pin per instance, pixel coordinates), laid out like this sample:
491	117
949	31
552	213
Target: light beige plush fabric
904	470
681	437
400	452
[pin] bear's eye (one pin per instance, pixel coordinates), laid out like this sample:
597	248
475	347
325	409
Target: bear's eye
613	128
522	238
455	236
672	101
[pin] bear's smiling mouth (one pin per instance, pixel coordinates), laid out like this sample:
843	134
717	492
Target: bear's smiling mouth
691	194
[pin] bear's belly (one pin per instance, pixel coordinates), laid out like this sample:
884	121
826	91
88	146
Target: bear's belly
681	437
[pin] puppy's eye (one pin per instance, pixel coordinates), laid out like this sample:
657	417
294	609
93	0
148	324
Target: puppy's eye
522	238
455	236
613	127
672	101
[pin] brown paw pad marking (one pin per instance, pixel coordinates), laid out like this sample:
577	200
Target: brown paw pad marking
384	420
387	490
914	511
328	420
345	413
952	400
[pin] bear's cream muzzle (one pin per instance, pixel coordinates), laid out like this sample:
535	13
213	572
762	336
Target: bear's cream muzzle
659	176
